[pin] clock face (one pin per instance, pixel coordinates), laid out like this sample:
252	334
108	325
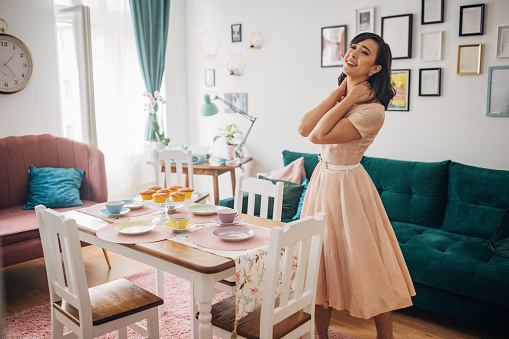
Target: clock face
16	65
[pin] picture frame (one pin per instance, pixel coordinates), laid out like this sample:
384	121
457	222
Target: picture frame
497	103
238	100
503	42
430	82
333	46
471	20
365	20
432	12
431	46
400	80
397	32
236	32
469	59
210	77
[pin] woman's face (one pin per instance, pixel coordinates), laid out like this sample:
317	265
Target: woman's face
360	59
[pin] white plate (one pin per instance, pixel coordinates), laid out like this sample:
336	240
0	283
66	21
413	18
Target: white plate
123	211
203	209
233	233
190	225
236	221
134	227
131	205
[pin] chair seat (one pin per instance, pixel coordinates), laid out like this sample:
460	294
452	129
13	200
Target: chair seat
113	300
223	316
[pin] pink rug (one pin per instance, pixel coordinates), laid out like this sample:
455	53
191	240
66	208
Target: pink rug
35	322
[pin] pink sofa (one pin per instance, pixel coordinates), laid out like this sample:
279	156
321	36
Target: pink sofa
19	233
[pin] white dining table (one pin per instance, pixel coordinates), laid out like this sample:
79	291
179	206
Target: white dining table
202	268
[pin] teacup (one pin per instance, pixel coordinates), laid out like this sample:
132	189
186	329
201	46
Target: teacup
222	161
178	221
227	215
114	207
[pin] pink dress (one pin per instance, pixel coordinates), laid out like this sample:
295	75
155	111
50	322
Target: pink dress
362	268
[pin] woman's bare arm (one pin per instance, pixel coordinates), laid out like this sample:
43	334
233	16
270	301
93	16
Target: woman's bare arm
332	128
310	119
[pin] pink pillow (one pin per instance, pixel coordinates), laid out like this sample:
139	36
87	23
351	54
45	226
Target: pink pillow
292	172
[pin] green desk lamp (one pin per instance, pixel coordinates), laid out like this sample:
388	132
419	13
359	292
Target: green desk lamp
209	108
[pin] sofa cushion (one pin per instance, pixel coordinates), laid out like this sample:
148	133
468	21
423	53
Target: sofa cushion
54	187
291	197
411	192
292	172
17	225
310	160
453	262
476	200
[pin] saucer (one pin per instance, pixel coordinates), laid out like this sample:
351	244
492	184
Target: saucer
123	211
134	227
236	221
189	226
203	209
233	233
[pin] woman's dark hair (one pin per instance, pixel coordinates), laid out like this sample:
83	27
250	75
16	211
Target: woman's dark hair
381	81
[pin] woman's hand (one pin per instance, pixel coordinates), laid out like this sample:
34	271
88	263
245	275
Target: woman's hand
361	93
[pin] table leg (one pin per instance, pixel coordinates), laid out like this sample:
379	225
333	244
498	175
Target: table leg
204	292
187	180
215	178
160	288
232	175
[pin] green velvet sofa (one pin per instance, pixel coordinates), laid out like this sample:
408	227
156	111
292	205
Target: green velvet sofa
443	213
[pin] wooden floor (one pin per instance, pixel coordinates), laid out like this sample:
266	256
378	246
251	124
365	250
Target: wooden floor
26	286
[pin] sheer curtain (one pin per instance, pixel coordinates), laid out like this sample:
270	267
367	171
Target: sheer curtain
119	101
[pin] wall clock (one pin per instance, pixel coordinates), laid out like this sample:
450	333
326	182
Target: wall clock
16	64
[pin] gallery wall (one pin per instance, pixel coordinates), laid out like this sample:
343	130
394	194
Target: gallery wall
284	80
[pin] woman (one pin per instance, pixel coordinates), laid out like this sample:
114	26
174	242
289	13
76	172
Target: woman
362	269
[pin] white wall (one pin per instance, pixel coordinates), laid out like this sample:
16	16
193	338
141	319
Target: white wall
284	80
35	109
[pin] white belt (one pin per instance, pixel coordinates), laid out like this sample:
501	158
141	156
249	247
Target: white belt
336	167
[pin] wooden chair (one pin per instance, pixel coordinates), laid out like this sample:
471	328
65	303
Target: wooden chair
266	189
88	313
179	157
289	314
254	186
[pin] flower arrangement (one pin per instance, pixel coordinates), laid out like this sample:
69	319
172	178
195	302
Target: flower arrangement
152	107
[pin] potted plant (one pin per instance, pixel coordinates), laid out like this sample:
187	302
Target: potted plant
154	105
231	137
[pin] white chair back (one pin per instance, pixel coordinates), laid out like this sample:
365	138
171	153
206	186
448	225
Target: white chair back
66	274
266	189
303	238
179	157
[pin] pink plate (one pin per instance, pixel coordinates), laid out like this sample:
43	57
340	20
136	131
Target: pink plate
234	233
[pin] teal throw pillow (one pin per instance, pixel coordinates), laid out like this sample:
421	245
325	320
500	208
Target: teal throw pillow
54	187
499	244
291	197
304	182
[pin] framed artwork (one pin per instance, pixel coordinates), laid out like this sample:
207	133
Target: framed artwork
472	20
429	81
236	33
469	59
238	100
431	46
503	42
210	77
400	80
432	12
498	87
397	32
365	20
333	46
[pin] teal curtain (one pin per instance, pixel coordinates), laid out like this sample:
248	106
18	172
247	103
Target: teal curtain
150	20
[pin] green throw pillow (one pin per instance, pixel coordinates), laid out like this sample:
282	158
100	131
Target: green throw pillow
54	187
291	197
